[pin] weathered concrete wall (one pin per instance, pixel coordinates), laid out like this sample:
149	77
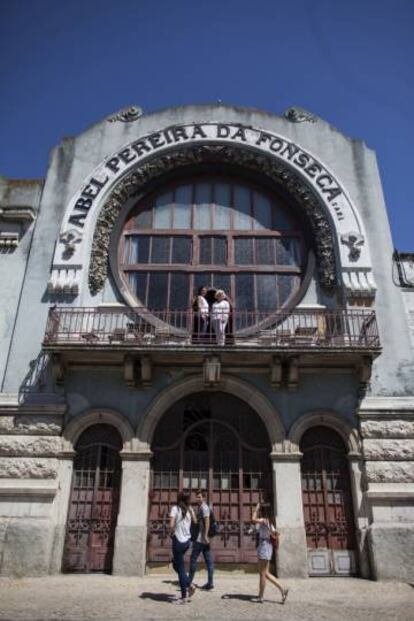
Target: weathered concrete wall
19	204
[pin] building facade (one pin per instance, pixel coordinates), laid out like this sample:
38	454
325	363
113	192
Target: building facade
113	398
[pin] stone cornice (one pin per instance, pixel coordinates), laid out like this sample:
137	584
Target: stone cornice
385	405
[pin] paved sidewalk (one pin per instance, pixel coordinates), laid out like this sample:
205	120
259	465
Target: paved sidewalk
89	597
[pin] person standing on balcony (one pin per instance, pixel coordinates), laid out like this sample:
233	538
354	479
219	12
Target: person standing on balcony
220	313
201	315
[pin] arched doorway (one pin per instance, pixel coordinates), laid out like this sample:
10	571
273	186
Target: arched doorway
94	501
216	442
327	503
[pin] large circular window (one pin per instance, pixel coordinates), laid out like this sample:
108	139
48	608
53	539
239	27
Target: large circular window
217	232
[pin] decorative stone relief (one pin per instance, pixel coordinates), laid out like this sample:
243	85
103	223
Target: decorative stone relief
390	472
354	241
26	468
64	280
27	446
388	450
359	282
69	239
135	183
24	424
126	115
387	428
296	114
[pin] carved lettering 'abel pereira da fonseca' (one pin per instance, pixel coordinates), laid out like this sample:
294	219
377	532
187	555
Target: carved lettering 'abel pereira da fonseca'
186	134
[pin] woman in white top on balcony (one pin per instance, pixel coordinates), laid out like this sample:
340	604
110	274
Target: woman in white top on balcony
201	312
220	313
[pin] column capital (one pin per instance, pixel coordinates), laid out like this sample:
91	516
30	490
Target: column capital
280	456
354	456
136	455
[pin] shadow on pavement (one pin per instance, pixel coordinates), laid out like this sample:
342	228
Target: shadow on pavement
242	596
157	597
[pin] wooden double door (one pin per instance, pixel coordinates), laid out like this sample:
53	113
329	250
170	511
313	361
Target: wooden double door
327	504
222	448
94	501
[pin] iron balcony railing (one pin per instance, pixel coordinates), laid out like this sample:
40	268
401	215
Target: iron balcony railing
301	328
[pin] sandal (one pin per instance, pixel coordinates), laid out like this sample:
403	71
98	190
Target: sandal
285	593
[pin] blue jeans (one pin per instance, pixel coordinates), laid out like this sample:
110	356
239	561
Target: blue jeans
179	549
199	548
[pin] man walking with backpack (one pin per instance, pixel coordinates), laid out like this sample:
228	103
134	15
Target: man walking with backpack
201	544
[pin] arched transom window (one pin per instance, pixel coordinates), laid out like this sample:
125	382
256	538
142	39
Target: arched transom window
218	232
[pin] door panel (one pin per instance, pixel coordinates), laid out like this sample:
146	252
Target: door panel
327	504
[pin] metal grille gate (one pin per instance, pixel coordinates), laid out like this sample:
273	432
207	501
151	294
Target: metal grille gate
212	455
327	504
93	506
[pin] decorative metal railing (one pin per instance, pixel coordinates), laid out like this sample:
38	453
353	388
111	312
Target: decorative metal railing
301	328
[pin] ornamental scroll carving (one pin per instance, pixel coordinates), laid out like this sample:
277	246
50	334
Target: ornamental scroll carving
136	183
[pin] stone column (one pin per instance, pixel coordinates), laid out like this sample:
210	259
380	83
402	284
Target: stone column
60	512
361	520
291	557
131	530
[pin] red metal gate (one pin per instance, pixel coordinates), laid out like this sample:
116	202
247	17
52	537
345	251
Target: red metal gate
93	506
212	454
327	503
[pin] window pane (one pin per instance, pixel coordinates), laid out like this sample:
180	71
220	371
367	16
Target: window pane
203	206
222	281
206	250
181	250
262	210
157	291
219	251
286	285
222	209
265	251
242	219
139	252
160	250
244	292
183	205
266	292
162	211
127	249
179	292
202	279
282	221
243	251
144	219
288	251
212	251
138	284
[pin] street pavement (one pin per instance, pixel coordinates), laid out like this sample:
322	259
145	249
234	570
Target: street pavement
113	598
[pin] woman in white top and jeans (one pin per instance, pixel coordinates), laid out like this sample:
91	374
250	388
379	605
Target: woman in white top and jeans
263	518
181	516
220	313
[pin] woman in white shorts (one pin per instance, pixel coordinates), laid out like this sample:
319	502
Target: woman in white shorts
263	518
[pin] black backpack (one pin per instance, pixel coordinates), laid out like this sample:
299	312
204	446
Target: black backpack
214	528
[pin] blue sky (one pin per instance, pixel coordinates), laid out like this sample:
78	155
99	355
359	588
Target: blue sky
66	64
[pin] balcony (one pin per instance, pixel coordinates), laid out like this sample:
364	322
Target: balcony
281	345
137	329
